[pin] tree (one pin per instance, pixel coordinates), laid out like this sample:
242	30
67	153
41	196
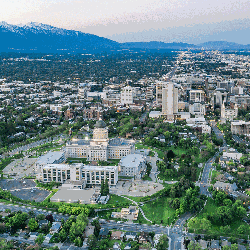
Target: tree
194	246
97	227
33	225
50	218
40	239
78	242
2	228
162	243
197	224
104	187
63	235
92	242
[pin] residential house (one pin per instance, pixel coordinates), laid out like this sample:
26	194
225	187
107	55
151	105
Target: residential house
226	243
116	246
130	235
56	226
116	235
130	213
127	247
215	245
33	235
48	238
203	244
143	237
104	233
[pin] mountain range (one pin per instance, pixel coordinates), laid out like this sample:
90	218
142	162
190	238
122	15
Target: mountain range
37	37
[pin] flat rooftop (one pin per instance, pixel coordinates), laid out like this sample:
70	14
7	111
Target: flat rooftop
132	160
72	195
50	157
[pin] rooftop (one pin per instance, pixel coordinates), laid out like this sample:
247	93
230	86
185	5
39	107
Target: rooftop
132	160
50	157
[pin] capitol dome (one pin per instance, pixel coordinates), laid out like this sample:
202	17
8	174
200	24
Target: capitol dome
100	124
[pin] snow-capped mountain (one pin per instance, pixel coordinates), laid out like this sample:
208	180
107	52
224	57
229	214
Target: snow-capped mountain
37	37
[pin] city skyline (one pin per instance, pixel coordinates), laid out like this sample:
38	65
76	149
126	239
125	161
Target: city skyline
151	20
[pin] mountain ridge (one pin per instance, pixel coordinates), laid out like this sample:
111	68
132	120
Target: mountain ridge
38	37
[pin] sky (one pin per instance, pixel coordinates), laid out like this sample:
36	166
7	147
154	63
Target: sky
192	21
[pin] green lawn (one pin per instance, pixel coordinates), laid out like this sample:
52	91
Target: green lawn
214	175
159	211
115	199
77	160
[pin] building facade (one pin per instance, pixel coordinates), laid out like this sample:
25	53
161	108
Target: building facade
133	165
169	101
240	127
100	147
92	175
127	95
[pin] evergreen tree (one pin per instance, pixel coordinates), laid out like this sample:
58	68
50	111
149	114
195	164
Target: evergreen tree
106	187
102	187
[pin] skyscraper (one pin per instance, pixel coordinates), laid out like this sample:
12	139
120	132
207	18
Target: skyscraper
169	101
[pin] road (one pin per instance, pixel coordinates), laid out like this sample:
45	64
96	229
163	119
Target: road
154	170
239	140
25	209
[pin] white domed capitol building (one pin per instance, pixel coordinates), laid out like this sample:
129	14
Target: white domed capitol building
100	147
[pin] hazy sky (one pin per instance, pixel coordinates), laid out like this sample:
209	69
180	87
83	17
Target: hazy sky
138	20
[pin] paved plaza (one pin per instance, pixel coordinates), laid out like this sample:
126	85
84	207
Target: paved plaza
136	188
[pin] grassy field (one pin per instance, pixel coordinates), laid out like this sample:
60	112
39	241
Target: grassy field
214	175
115	199
159	211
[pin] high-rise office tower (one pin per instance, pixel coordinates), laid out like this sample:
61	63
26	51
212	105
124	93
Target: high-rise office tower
169	101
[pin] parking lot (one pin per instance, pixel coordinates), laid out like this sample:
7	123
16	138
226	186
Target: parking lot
24	189
21	167
13	184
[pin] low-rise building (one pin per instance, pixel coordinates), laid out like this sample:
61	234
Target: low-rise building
49	158
240	127
130	213
133	165
76	173
232	154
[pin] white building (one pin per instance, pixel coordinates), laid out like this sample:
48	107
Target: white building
229	114
87	174
56	107
197	109
49	158
232	154
196	95
133	165
100	147
169	101
240	127
127	95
